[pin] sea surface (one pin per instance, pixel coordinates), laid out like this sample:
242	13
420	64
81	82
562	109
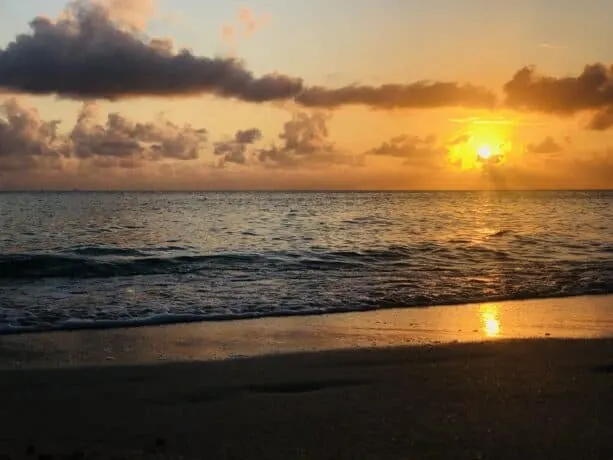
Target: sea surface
88	259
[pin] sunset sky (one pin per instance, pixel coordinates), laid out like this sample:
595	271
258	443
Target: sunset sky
277	94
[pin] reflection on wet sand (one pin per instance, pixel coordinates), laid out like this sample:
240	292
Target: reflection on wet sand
490	320
579	317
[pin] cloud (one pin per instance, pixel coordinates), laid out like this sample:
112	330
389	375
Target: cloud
592	91
395	96
248	136
235	149
228	33
246	24
302	136
305	141
413	149
552	46
97	50
602	121
547	145
122	139
27	141
250	22
133	14
87	54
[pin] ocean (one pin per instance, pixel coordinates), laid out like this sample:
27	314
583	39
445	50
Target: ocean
111	259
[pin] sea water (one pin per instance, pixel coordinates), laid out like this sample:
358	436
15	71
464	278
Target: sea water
105	259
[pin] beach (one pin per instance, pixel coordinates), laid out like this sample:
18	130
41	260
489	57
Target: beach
251	231
524	381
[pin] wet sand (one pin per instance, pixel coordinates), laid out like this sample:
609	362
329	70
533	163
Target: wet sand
499	399
579	317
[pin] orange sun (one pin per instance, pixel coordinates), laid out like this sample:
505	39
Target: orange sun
482	144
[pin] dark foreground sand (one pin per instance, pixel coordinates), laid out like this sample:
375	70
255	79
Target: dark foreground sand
546	399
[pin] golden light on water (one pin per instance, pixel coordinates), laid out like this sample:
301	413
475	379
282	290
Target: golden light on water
490	320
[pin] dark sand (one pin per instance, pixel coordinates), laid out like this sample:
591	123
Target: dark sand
545	399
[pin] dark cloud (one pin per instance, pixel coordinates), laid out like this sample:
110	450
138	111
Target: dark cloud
93	52
459	140
302	136
603	120
27	141
248	136
304	142
87	54
394	96
547	145
592	90
235	150
413	149
121	138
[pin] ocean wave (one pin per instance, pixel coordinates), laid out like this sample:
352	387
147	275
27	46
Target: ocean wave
97	251
501	233
36	266
105	262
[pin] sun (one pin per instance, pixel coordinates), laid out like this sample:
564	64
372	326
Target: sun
480	146
485	151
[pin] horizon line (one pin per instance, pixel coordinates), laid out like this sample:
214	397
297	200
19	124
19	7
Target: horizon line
298	190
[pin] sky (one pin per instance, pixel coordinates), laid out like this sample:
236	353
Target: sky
307	94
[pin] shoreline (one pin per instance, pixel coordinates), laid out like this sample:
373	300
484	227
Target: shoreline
565	318
507	381
174	320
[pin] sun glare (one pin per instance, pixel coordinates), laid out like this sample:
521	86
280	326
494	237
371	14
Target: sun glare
485	152
480	145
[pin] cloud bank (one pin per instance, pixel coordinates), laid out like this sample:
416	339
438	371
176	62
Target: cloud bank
235	149
29	142
592	90
413	150
97	50
393	96
305	142
87	54
546	146
122	138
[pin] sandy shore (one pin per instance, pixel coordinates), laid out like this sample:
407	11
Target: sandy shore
499	399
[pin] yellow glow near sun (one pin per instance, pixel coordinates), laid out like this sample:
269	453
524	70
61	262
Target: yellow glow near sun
482	144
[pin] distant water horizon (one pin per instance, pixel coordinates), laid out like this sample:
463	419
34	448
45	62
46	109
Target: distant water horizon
79	259
310	190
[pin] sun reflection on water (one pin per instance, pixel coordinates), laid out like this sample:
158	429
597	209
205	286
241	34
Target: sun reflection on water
490	320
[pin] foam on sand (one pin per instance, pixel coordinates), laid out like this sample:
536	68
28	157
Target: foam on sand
579	317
